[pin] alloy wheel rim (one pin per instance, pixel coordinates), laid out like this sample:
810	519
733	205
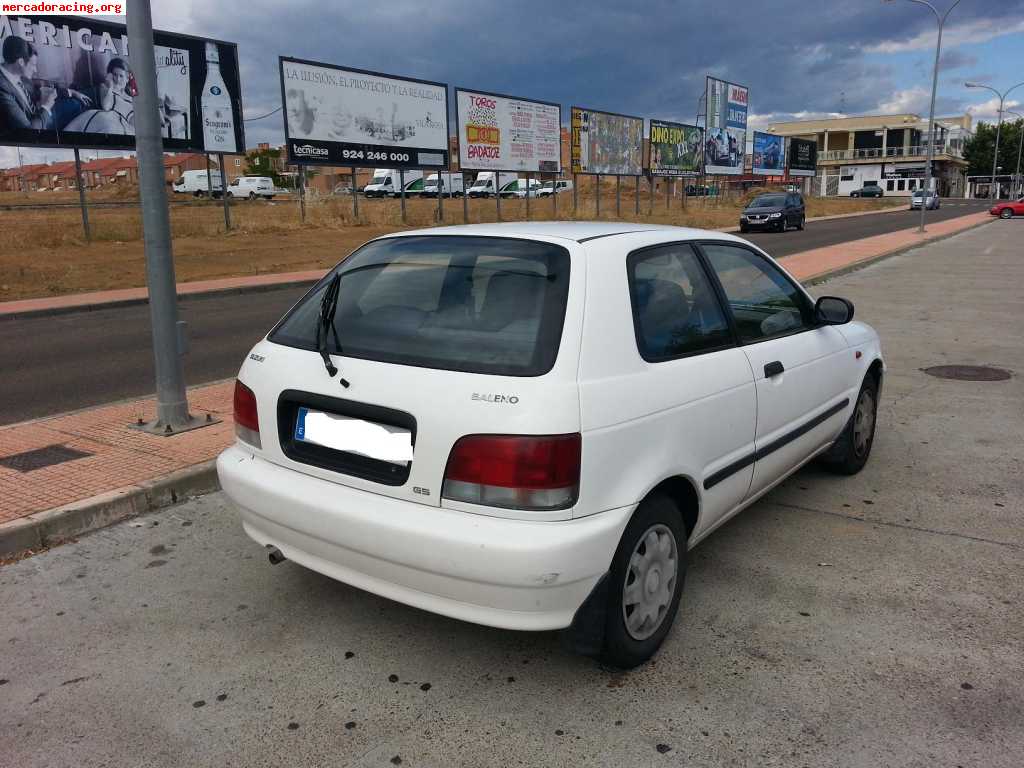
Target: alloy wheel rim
650	582
863	422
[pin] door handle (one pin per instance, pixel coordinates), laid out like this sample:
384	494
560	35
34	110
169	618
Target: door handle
773	368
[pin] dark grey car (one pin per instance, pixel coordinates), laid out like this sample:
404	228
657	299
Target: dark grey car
776	210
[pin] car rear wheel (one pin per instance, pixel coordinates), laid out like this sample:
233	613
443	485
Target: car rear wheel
802	223
646	582
850	452
1006	213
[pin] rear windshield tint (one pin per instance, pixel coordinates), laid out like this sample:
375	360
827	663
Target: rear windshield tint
476	304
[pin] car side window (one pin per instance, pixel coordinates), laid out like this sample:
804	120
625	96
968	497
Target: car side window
675	309
763	301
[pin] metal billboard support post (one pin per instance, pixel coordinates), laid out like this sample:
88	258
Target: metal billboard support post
224	193
575	194
650	199
168	335
618	196
440	195
465	199
636	196
81	196
209	177
597	196
401	183
302	193
527	197
497	194
355	196
554	194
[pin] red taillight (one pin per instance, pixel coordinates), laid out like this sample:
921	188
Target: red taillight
247	420
516	471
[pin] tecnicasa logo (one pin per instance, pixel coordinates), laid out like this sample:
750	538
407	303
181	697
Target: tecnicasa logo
308	150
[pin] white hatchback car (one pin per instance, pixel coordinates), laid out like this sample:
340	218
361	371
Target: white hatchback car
528	425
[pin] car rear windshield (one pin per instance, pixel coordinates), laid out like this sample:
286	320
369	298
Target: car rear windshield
475	304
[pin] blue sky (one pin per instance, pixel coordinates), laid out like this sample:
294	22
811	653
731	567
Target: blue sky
800	59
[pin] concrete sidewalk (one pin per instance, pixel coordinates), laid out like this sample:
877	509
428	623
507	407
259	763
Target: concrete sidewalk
98	470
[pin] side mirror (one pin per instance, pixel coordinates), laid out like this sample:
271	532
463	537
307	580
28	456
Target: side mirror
831	310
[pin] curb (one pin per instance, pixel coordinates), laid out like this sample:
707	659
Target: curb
182	297
55	526
825	276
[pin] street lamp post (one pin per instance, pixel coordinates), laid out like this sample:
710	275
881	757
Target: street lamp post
941	18
1020	146
999	124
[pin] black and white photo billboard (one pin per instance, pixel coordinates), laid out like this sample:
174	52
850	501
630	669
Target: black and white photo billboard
69	82
803	157
341	116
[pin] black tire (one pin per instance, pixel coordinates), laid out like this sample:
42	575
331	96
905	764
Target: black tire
252	195
621	648
199	193
803	222
744	229
850	452
1006	213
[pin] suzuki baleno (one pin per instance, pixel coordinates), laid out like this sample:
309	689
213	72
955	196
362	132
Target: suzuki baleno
528	425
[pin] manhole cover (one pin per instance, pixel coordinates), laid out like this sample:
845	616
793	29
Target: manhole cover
42	457
968	372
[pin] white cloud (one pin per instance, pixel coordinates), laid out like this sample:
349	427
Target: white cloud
988	111
977	31
914	100
760	121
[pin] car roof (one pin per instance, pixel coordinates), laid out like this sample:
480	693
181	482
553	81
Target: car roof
578	231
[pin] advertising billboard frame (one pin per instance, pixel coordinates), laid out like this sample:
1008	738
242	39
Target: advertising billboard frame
572	139
650	151
805	172
341	162
721	170
458	121
762	170
161	37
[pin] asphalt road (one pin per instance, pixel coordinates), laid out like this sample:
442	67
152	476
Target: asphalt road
860	622
56	364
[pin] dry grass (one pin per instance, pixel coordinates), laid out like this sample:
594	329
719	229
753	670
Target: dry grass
44	252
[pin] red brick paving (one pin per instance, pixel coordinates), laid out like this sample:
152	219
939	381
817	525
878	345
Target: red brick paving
123	457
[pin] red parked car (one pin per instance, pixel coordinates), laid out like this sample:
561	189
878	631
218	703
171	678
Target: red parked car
1009	209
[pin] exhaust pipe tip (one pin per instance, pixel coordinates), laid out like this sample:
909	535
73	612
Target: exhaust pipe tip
275	556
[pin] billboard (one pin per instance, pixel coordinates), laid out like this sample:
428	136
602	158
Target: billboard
68	82
725	138
505	133
803	157
340	116
606	143
676	149
769	155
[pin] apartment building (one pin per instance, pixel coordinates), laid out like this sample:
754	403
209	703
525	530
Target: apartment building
888	149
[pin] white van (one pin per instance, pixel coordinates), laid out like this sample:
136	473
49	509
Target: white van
198	184
385	183
484	186
519	188
556	187
452	185
528	425
252	187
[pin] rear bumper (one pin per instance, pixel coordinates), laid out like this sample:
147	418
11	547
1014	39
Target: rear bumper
504	573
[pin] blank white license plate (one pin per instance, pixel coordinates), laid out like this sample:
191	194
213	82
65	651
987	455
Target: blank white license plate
342	433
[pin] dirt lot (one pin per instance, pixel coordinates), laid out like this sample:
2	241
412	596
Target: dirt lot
44	252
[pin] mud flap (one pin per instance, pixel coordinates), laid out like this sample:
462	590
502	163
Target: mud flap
585	636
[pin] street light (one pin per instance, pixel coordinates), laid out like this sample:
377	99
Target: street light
999	124
1020	146
931	112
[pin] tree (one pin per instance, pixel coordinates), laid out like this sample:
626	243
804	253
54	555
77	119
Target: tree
978	149
265	162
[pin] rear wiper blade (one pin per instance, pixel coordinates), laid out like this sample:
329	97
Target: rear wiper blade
325	323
